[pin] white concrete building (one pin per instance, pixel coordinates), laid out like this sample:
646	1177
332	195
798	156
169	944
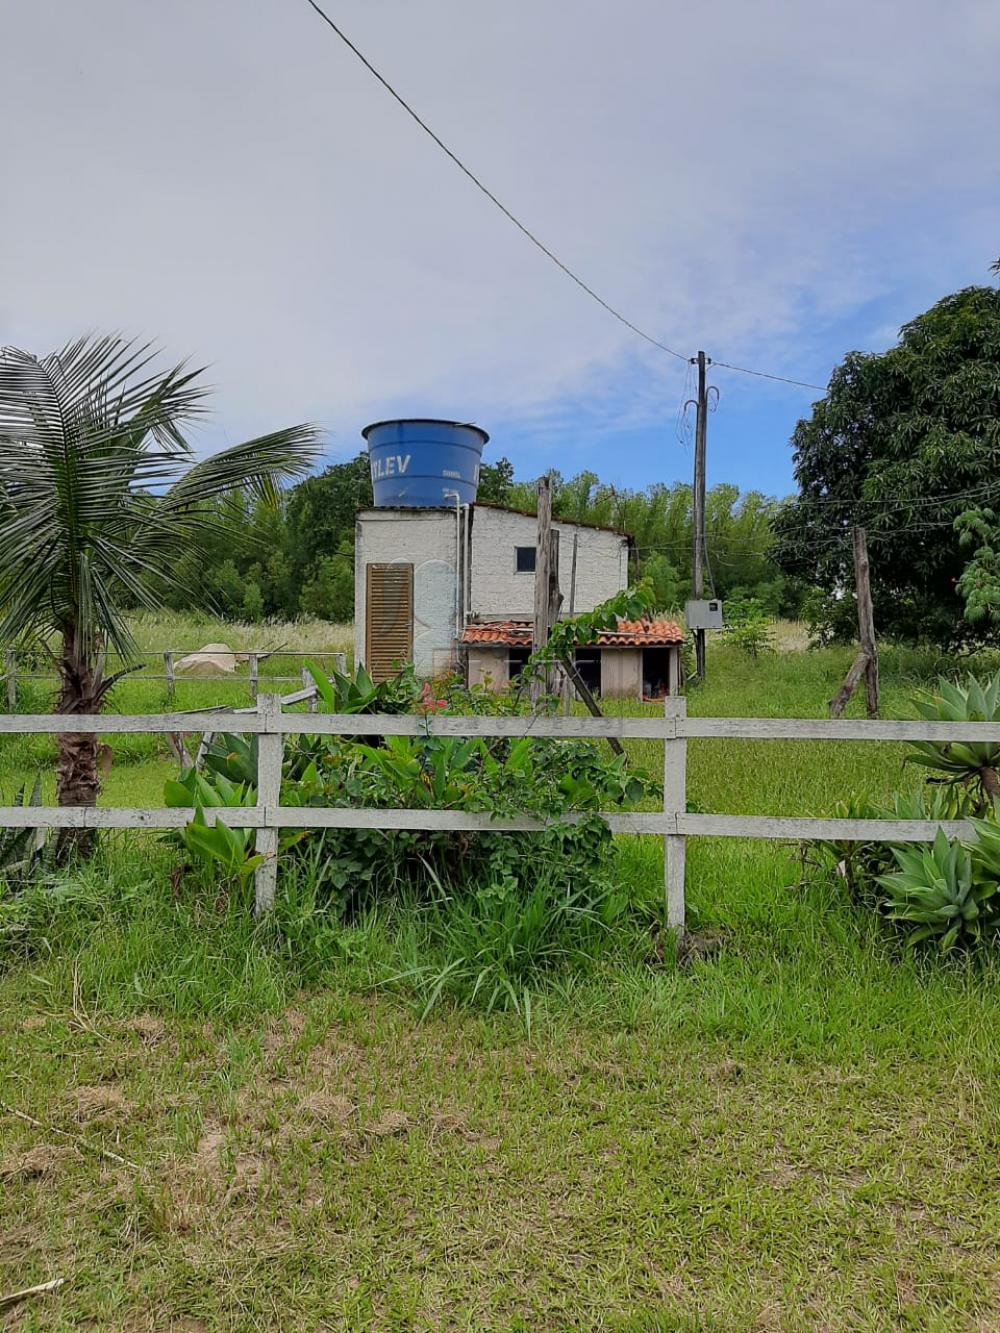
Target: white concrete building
453	587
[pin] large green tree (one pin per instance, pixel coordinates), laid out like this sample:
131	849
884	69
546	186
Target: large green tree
321	510
100	497
903	442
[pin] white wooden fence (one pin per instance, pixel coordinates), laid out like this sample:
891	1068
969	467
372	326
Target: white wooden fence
169	659
673	823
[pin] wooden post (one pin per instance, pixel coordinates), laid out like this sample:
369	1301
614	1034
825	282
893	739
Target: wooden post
253	676
866	618
168	671
674	670
340	660
675	803
572	572
11	666
866	662
309	683
543	570
270	749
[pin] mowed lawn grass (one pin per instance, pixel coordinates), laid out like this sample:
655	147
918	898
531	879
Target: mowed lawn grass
798	1130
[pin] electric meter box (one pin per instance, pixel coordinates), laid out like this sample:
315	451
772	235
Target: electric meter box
703	615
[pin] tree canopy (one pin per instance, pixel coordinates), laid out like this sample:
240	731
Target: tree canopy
904	442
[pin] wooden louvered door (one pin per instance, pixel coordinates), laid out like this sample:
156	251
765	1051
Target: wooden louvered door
389	618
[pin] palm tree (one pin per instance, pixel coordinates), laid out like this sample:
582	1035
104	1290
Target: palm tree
100	494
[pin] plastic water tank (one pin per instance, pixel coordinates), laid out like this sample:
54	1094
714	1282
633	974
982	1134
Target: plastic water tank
416	462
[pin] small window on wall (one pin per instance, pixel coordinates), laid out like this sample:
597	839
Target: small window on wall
524	559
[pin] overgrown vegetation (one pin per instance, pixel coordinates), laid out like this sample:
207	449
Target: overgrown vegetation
947	892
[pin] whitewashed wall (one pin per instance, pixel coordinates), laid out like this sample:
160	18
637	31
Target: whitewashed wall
424	538
499	591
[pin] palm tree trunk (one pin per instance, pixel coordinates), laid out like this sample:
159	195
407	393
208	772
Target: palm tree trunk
77	781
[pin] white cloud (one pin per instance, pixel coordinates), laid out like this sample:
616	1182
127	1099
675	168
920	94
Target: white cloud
228	178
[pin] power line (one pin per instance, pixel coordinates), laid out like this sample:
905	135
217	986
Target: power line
766	375
526	231
549	254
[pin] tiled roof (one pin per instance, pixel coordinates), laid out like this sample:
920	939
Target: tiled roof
629	633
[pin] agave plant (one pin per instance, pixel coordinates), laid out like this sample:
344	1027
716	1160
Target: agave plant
948	891
20	848
973	764
100	493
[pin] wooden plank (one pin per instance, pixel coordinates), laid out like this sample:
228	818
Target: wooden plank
270	749
114	817
254	675
841	729
377	724
296	817
843	830
674	805
455	821
680	826
53	724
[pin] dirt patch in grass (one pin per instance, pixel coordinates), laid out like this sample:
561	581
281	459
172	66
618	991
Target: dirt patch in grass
100	1102
43	1159
149	1028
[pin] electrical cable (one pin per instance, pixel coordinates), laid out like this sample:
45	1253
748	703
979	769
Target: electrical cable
549	254
526	231
766	375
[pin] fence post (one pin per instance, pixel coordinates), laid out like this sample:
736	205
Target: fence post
253	677
340	661
11	666
674	803
270	748
168	671
307	683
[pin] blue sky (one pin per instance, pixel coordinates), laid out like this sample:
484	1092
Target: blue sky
776	183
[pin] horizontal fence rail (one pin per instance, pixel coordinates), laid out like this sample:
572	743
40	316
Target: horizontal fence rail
171	658
673	823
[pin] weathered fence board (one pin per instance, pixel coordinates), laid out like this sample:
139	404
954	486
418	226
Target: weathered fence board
837	729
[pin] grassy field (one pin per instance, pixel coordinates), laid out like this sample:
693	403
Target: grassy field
797	1130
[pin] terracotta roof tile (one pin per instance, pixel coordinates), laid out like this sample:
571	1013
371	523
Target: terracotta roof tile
629	634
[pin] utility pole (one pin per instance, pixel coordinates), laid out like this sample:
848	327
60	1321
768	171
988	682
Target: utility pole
866	662
698	508
547	595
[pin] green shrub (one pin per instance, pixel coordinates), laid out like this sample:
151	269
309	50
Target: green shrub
972	765
944	891
356	867
749	627
948	892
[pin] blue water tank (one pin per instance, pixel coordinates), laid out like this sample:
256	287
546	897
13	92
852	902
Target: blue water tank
415	463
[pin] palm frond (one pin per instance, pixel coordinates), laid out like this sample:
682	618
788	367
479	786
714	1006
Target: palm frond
257	466
98	492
